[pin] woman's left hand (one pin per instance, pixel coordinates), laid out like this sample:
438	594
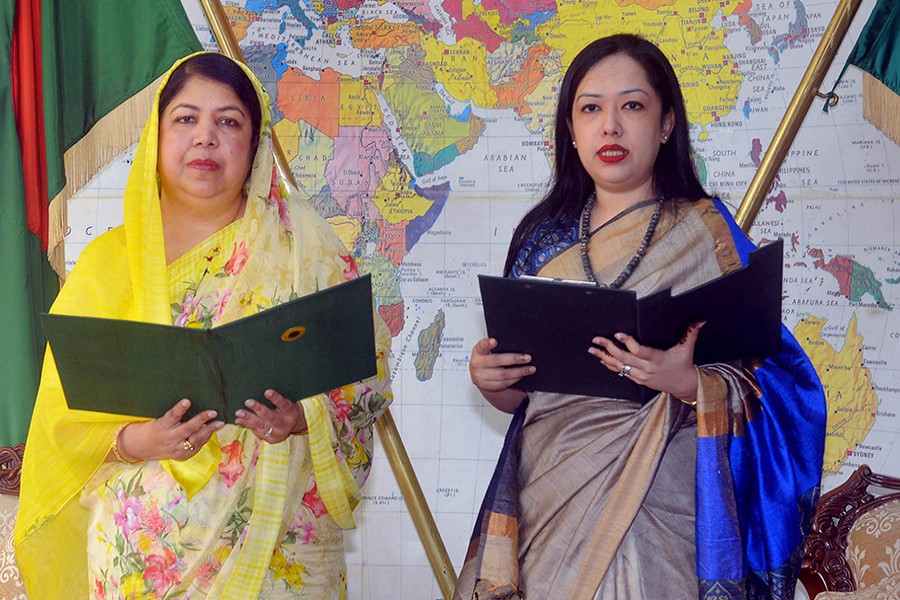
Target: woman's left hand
670	371
270	425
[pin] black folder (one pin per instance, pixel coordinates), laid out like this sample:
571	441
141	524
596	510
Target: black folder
555	321
300	348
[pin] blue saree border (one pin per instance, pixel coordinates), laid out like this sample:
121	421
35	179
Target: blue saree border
757	492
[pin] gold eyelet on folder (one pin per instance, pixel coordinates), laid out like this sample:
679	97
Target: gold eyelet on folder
294	333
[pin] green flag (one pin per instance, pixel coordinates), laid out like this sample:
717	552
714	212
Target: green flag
877	53
74	65
27	284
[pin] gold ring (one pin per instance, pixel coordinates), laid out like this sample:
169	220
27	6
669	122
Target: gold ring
187	445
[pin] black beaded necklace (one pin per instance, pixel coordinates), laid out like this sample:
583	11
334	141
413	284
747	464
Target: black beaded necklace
633	263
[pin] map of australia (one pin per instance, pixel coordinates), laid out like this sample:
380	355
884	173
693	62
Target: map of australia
852	402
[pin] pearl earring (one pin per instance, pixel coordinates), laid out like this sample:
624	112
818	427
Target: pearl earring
574	145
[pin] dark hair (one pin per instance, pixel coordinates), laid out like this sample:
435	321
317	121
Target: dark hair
221	69
673	172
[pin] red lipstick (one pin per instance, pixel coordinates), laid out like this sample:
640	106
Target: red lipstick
612	153
204	164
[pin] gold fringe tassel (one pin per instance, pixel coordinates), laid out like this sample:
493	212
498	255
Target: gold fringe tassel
106	140
881	107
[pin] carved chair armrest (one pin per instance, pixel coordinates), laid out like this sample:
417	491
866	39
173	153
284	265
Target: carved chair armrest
11	468
825	565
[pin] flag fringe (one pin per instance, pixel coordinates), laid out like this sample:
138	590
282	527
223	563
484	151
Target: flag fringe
881	107
107	140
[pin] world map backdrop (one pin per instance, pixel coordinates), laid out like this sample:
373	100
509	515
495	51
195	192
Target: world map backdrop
422	131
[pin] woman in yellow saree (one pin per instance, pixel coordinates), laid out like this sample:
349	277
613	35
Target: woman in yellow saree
121	508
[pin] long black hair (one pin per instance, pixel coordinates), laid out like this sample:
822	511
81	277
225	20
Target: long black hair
221	69
673	172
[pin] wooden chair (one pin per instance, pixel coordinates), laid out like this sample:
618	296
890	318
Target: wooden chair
11	584
825	565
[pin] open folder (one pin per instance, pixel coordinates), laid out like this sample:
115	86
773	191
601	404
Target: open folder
555	321
300	348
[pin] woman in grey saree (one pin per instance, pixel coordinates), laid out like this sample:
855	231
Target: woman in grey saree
705	491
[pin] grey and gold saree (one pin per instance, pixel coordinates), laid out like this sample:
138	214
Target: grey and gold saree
604	498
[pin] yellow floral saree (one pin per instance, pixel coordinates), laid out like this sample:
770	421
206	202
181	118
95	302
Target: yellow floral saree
242	518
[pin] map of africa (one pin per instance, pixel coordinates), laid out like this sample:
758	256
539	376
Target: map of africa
422	130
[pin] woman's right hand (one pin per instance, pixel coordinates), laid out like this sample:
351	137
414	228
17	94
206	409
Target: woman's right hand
167	437
495	374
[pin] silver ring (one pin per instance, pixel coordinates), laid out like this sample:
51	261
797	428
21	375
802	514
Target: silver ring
187	445
268	432
625	370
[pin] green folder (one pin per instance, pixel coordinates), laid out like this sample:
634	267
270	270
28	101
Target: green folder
300	348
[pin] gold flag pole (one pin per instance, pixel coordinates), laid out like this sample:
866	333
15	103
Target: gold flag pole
387	429
417	505
796	112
